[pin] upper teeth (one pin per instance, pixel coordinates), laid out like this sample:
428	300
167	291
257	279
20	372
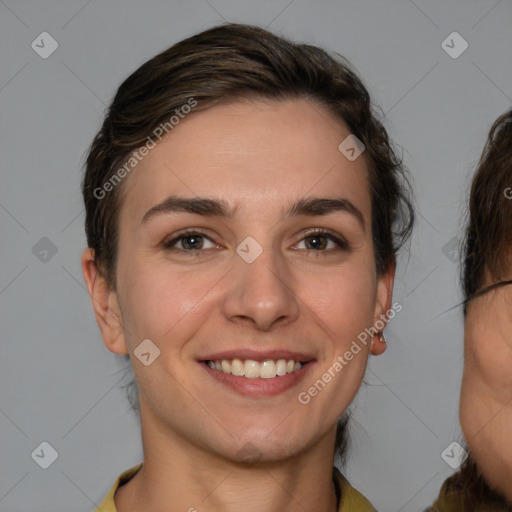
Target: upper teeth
254	369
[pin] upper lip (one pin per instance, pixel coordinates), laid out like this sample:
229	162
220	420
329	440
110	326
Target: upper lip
258	355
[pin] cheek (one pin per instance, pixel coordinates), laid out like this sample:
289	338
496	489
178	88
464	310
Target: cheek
157	298
487	382
488	351
343	302
351	295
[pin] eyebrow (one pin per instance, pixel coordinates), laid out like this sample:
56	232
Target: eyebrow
311	206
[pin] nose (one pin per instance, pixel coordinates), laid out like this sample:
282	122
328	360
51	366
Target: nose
261	293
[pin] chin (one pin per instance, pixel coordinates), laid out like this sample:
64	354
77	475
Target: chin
253	450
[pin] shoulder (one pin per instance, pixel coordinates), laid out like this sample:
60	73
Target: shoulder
108	504
351	499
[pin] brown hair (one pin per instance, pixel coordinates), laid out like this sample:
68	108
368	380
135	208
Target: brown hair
227	63
222	64
472	492
489	231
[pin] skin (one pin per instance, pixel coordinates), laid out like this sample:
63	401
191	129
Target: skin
486	395
260	156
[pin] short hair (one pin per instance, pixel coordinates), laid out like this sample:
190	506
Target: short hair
226	63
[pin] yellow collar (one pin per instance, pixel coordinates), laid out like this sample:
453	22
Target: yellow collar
351	500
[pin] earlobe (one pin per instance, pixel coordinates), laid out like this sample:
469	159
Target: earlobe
378	345
105	304
382	308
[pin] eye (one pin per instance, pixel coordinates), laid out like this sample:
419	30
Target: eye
190	241
318	240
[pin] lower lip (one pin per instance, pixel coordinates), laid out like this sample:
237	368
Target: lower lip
259	387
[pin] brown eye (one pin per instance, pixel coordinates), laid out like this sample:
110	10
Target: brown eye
316	242
192	242
319	240
189	242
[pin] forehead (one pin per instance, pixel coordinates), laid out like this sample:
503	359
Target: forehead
256	155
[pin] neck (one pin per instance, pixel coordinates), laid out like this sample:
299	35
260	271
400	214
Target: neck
180	476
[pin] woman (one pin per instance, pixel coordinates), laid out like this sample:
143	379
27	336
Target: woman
243	211
485	480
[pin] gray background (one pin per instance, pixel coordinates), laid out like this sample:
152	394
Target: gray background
58	382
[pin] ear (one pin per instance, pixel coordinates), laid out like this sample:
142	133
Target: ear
383	305
105	305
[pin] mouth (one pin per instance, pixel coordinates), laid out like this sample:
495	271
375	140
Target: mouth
251	369
256	374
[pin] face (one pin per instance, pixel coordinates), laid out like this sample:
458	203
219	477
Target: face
262	284
486	397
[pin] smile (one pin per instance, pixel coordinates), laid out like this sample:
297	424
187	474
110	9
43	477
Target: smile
252	369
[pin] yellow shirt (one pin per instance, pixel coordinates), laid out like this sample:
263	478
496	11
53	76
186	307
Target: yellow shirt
351	500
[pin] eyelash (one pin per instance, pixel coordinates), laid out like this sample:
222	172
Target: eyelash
341	242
